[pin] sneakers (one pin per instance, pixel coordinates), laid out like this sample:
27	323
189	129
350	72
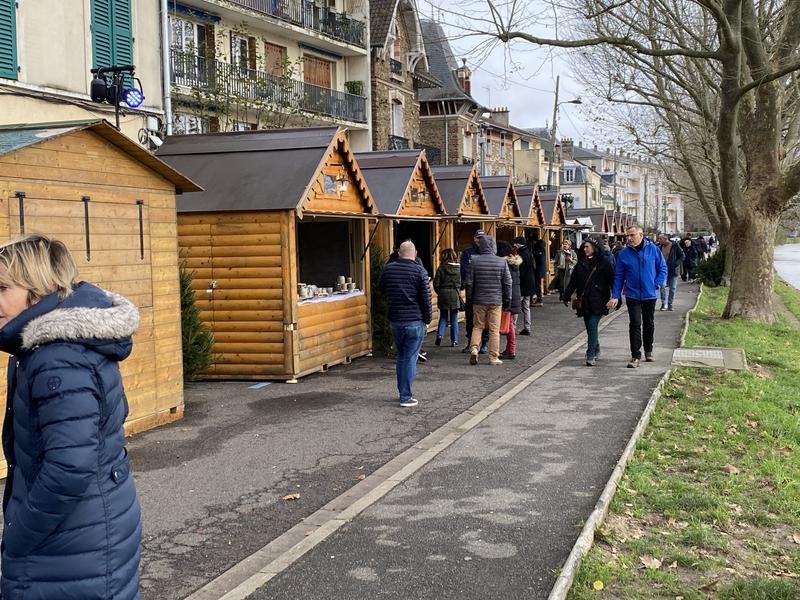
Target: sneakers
633	363
507	356
438	341
408	403
525	332
465	349
663	307
484	349
453	344
648	357
669	308
422	357
473	358
495	361
590	360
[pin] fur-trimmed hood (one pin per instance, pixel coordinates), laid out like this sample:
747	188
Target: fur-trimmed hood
89	316
514	259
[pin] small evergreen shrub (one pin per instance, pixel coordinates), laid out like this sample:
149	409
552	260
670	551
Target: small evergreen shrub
381	332
198	341
710	271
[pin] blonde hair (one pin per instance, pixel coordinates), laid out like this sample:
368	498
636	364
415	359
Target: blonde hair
38	264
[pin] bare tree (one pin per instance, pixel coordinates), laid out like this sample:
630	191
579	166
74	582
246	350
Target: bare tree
732	67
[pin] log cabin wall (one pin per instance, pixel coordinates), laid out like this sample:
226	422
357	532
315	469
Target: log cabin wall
137	261
237	262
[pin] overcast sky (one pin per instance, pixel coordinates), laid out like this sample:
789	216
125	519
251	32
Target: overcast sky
522	77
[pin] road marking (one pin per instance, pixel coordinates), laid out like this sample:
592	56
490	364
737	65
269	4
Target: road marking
245	577
258	386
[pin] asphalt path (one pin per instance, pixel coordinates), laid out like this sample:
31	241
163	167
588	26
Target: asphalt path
787	263
496	514
211	485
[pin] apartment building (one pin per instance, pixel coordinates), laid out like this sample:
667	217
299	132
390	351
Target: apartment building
48	47
254	64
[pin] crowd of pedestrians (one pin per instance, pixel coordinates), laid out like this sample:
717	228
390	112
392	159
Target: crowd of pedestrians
496	283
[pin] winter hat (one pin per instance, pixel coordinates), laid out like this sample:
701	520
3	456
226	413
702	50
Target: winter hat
520	241
480	233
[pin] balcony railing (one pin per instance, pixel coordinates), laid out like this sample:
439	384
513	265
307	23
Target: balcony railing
468	161
308	15
398	143
434	154
396	66
219	79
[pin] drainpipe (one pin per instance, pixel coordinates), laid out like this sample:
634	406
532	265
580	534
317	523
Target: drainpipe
165	66
446	136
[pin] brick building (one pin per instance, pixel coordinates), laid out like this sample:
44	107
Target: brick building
399	68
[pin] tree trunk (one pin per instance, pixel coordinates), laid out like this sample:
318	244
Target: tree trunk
751	245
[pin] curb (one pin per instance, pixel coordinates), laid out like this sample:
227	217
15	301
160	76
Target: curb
252	572
583	544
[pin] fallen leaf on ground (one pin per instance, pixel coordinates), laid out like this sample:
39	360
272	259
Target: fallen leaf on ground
785	450
732	429
709	587
796	538
751	424
650	562
729	468
598	585
700	450
690	418
359	477
294	496
674	565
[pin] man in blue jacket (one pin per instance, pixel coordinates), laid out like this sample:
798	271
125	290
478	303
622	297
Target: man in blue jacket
405	284
641	268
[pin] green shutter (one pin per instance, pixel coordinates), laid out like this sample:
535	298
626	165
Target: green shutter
8	39
102	45
122	32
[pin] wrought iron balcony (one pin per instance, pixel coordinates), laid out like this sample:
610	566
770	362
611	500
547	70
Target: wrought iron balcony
398	143
434	154
396	66
283	94
309	15
468	161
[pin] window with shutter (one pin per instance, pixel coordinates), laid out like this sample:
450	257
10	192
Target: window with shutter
8	39
112	32
317	71
275	59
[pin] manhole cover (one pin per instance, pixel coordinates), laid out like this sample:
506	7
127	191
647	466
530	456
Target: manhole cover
715	358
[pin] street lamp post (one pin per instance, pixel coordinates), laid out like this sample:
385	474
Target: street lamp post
556	104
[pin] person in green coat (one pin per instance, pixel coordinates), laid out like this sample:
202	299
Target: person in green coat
447	284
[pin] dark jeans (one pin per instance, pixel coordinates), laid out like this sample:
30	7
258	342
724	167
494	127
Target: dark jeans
593	342
642	315
537	281
450	315
408	338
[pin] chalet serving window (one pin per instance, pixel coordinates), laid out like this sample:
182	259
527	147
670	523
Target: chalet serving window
328	250
8	39
112	32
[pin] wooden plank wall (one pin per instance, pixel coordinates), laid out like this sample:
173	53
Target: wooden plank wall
54	176
242	253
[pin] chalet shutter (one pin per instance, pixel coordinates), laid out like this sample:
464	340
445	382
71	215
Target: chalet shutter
112	32
8	39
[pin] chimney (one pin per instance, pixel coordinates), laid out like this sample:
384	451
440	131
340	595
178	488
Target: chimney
500	116
568	149
464	76
580	144
595	147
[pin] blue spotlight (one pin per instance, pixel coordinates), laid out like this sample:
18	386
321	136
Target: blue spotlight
133	97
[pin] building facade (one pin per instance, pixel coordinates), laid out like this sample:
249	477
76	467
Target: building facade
256	64
47	49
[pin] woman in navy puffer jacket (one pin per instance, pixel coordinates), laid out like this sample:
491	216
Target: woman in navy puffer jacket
72	521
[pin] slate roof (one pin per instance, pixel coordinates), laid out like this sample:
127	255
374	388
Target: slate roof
249	170
388	175
579	152
524	199
581	176
548	200
441	65
452	182
380	21
598	216
543	133
17	137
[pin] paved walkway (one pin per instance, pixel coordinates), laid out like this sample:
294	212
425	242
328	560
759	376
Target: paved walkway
497	512
211	485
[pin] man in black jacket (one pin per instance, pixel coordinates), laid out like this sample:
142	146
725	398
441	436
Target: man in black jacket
527	282
488	287
466	259
674	256
405	284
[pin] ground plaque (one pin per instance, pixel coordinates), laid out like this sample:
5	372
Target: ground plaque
715	358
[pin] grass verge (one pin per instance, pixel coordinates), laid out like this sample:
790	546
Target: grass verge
709	506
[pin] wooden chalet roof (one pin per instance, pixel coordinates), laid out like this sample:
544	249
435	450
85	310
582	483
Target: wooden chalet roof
17	137
390	175
271	169
454	183
553	208
599	217
529	205
501	196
